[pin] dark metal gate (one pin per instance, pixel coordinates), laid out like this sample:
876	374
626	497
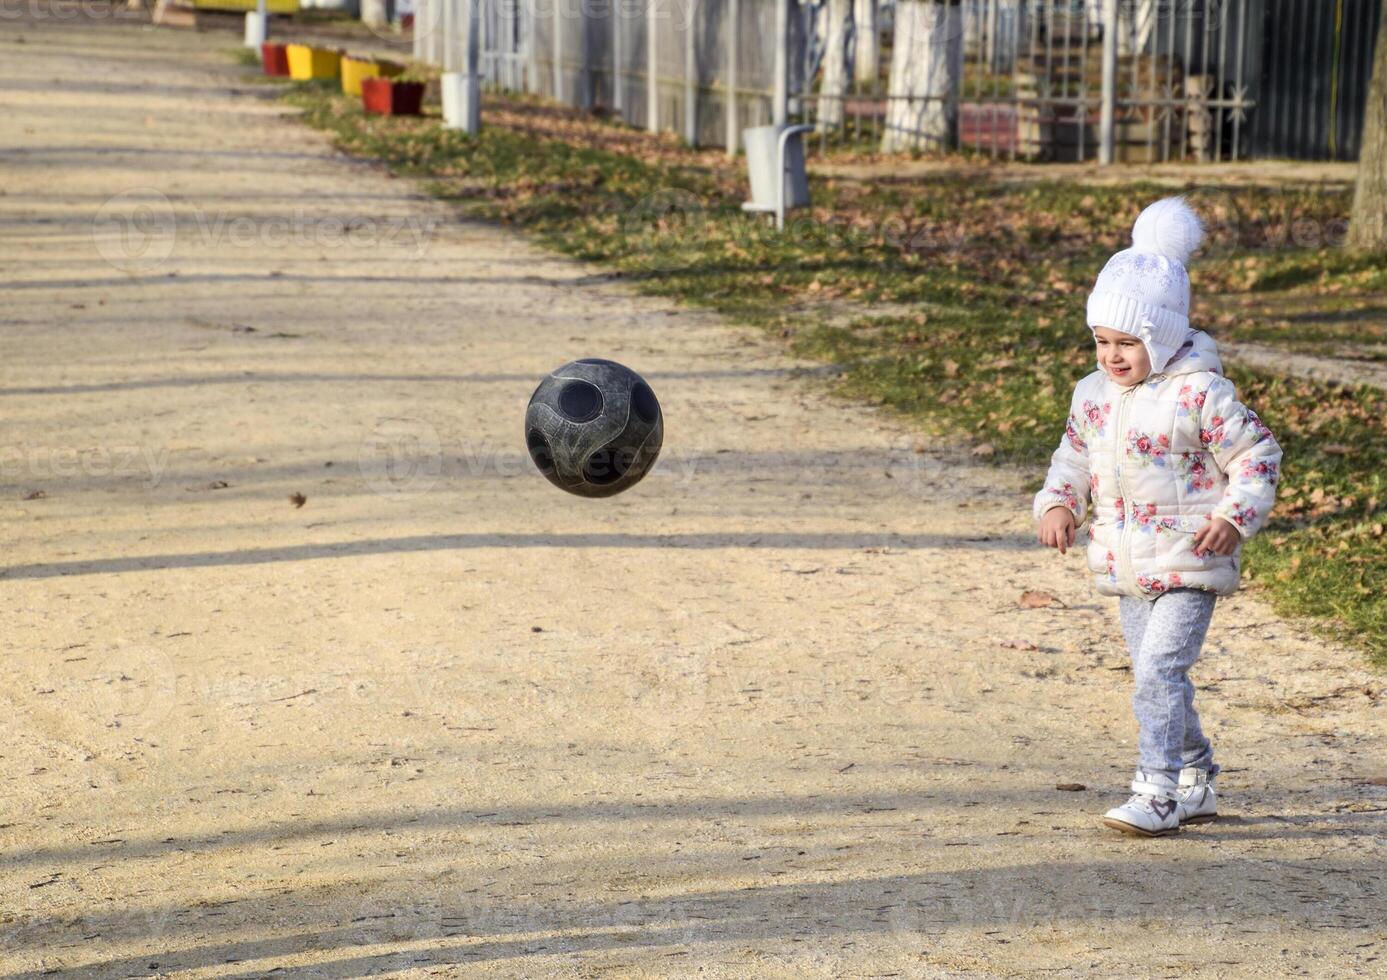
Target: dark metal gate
1316	63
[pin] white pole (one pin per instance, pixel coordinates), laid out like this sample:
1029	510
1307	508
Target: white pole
1109	107
690	92
450	62
474	27
257	26
472	111
618	57
417	37
558	50
652	81
461	90
780	93
730	110
531	48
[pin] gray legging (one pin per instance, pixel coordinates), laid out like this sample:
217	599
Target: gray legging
1164	638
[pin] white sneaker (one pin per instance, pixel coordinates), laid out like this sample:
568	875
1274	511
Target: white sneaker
1151	812
1195	801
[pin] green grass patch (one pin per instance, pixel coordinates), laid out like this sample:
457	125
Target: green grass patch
954	298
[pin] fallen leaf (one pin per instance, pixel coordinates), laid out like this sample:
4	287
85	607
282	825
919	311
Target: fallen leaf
297	499
1035	599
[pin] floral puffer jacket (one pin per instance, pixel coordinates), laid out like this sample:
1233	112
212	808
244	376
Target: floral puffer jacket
1159	460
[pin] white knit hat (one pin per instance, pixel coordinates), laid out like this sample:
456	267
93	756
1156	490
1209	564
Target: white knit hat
1144	290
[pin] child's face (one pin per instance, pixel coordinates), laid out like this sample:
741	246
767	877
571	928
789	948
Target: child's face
1122	356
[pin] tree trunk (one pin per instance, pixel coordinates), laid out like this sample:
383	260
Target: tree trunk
926	66
866	58
834	86
1367	227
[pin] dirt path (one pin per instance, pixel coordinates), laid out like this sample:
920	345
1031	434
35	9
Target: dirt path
1339	369
758	717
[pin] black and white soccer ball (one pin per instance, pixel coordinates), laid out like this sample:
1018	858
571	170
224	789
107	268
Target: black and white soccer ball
594	427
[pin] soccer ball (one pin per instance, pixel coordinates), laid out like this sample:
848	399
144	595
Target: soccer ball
594	427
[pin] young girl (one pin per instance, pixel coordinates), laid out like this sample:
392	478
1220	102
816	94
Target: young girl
1179	474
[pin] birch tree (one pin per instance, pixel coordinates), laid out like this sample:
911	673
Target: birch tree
866	57
833	87
926	68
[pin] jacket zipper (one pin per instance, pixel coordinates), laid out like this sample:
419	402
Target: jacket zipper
1124	547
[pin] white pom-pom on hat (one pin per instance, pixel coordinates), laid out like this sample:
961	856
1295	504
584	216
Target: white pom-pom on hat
1170	228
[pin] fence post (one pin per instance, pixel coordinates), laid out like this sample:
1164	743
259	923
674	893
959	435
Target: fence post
531	27
416	43
473	51
1109	107
780	91
730	79
618	96
446	61
690	90
652	81
558	50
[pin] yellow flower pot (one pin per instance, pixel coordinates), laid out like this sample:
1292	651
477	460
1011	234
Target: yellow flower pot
271	6
355	71
306	64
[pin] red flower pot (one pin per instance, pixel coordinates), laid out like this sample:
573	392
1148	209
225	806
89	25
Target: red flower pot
275	58
391	98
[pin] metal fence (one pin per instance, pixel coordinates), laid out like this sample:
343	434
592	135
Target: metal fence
1316	64
1019	79
1024	79
705	69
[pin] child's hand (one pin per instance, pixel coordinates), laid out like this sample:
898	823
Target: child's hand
1057	529
1218	537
